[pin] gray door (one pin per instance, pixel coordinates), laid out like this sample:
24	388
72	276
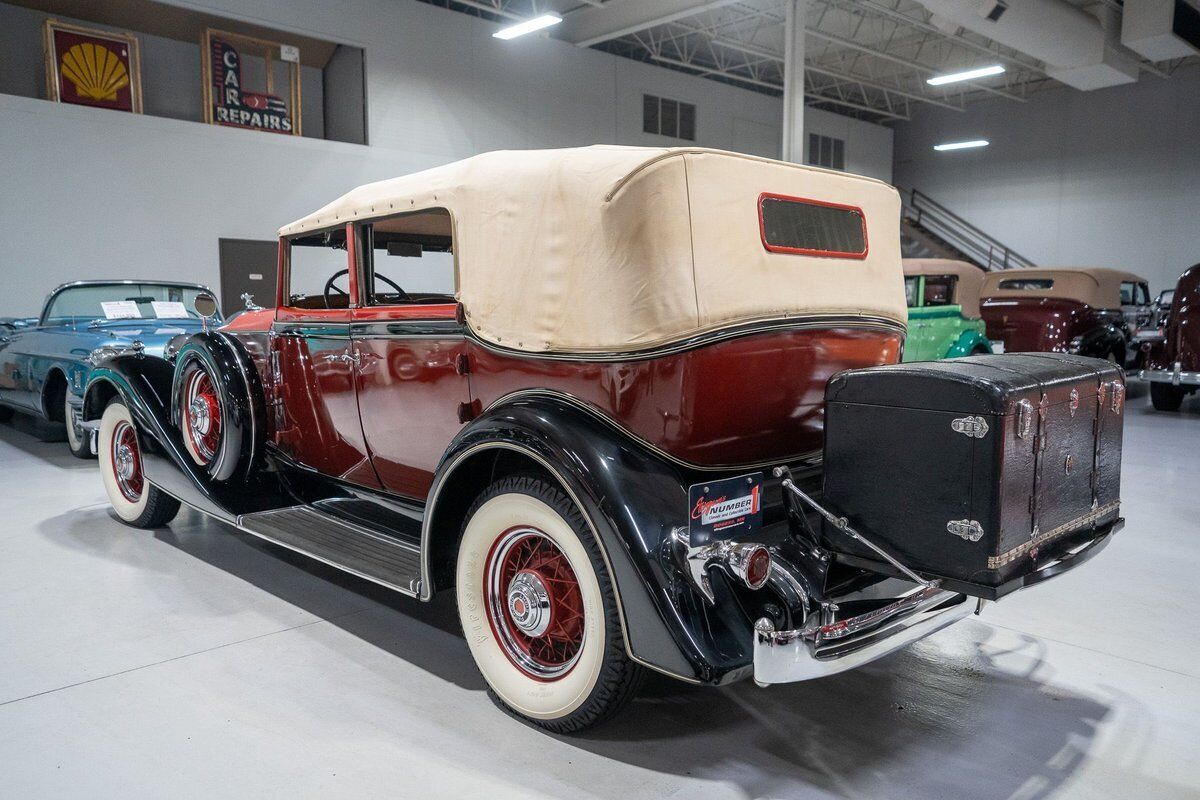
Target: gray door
247	267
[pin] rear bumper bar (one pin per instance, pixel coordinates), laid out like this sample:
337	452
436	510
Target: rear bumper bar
835	644
817	650
1174	376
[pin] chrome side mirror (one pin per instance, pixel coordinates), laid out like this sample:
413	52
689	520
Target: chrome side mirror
206	306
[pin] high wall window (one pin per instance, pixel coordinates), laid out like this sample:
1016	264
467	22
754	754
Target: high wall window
666	117
826	151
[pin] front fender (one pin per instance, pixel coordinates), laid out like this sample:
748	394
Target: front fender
966	344
1101	340
143	384
632	497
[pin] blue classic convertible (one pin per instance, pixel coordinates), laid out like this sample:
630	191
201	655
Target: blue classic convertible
46	362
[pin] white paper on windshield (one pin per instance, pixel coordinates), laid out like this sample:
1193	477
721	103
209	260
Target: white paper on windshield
169	309
120	309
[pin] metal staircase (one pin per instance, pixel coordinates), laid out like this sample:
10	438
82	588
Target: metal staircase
930	230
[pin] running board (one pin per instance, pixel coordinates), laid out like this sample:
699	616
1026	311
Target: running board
340	544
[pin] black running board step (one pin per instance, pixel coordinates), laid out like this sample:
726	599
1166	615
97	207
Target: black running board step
341	544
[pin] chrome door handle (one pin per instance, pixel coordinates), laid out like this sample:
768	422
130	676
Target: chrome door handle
344	358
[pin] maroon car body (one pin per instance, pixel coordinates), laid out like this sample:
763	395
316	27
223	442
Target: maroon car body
1090	312
1173	362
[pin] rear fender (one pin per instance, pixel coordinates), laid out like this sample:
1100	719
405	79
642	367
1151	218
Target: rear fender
633	498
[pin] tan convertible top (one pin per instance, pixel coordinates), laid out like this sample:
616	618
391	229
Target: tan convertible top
966	290
607	249
1099	287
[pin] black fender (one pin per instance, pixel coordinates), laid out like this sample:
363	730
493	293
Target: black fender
144	385
243	430
633	498
1100	340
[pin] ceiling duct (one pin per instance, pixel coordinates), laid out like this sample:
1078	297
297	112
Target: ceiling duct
1075	46
1161	29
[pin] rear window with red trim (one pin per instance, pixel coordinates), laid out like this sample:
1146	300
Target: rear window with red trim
811	227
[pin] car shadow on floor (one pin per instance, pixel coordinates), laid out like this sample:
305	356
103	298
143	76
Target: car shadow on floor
44	440
941	718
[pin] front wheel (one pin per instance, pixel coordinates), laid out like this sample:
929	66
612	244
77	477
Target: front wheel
1165	397
137	502
538	609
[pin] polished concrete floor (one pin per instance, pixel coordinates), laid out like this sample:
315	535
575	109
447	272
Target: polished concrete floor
197	662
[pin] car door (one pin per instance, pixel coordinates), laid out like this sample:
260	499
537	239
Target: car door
317	423
916	342
413	390
943	316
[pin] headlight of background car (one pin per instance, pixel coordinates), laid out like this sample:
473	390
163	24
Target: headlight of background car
1074	345
103	352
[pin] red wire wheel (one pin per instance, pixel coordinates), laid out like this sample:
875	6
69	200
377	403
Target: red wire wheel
534	604
127	462
201	413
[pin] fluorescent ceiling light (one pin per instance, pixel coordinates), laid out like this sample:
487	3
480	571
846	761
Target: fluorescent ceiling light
971	74
961	145
528	26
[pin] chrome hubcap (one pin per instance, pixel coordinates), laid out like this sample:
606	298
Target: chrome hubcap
529	603
124	462
198	416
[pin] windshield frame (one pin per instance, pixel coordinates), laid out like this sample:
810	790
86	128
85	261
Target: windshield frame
44	318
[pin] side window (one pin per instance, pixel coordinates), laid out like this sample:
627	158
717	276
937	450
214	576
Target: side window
912	285
1127	293
411	259
939	290
317	274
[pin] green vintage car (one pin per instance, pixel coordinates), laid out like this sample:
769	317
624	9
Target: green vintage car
943	309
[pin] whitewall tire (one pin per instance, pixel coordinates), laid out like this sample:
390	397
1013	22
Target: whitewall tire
538	610
78	440
136	501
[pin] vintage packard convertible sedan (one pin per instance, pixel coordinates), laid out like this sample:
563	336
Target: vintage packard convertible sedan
45	362
636	409
1092	311
1172	362
943	309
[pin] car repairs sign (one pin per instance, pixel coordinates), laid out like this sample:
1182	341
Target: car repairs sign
725	509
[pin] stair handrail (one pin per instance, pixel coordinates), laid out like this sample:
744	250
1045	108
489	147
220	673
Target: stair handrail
963	235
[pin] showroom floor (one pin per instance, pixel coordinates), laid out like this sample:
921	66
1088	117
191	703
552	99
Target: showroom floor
198	662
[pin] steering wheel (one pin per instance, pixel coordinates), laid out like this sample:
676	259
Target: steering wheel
329	287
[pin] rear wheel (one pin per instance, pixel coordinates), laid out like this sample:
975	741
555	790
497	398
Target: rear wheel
1165	397
78	440
538	610
137	502
6	413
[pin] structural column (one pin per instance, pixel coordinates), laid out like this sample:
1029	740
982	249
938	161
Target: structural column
793	80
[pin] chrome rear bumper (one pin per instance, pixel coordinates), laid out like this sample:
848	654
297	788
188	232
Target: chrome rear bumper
1174	376
834	645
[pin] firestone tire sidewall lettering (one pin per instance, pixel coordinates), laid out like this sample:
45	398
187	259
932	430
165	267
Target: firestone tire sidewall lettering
543	700
128	510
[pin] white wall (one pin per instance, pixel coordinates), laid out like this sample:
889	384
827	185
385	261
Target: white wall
92	193
1107	178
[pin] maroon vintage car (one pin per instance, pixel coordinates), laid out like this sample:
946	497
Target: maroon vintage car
1090	311
585	391
1173	362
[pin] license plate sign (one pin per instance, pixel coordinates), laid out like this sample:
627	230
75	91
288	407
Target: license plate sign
724	509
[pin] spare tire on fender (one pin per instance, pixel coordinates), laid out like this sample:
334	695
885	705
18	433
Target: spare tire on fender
217	405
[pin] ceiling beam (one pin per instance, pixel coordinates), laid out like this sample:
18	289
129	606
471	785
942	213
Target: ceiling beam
595	24
760	52
777	87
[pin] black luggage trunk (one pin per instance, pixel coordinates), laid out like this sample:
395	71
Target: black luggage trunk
976	470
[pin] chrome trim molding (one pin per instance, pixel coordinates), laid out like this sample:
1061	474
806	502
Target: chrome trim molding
732	331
